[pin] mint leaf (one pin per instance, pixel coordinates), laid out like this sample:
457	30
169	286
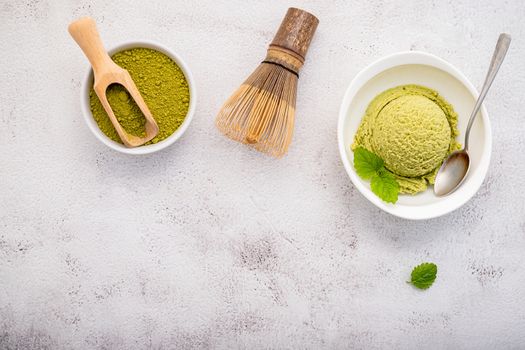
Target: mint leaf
366	163
385	186
423	275
370	166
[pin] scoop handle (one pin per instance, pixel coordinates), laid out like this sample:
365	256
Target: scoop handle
84	31
497	59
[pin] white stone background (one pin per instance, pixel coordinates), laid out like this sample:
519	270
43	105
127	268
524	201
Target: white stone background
209	244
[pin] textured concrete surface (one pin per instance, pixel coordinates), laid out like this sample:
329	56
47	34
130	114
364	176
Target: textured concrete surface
211	245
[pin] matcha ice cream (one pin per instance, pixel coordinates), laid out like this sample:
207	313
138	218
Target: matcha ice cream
412	128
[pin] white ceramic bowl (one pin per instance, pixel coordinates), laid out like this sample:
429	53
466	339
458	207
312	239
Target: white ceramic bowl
431	71
92	124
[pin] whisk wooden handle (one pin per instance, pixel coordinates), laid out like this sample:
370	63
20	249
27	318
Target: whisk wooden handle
296	32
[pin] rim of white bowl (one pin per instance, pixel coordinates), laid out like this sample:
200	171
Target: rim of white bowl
92	124
426	211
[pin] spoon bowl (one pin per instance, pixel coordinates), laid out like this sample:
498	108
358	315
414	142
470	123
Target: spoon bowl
452	173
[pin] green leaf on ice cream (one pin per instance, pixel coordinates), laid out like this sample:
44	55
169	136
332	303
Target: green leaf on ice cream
382	182
385	186
366	163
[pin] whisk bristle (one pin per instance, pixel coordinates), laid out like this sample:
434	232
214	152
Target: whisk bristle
261	112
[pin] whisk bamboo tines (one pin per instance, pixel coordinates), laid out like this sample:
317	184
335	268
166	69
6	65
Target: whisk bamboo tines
261	112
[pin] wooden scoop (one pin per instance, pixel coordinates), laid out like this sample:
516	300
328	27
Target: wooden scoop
107	72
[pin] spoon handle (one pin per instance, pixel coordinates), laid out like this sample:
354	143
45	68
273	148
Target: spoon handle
497	59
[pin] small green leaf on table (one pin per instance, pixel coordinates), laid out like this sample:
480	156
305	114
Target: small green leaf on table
423	275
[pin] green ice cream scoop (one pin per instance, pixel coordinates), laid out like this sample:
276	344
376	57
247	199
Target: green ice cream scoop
413	129
412	135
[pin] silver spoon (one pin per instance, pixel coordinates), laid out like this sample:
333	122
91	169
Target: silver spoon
455	168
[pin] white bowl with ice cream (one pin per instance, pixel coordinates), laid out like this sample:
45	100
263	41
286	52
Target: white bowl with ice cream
433	72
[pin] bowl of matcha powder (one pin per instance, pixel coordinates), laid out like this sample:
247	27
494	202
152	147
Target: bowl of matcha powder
166	85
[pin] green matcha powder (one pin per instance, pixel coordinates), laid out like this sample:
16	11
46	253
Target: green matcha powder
163	87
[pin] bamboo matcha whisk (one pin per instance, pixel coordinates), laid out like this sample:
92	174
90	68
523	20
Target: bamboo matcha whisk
261	112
